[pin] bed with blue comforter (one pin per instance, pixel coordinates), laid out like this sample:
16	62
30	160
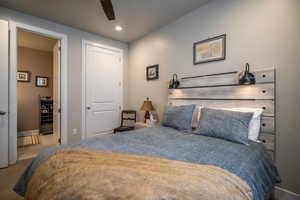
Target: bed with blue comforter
250	162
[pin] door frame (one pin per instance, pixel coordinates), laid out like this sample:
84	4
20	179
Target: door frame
83	78
14	27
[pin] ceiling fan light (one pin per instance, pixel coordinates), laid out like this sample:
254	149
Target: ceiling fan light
119	28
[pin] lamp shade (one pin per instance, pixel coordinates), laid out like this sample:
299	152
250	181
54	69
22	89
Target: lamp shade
147	106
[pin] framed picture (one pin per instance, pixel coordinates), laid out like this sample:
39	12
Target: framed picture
152	72
212	49
41	81
23	76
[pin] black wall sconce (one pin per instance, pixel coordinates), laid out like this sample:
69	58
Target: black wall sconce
174	83
246	77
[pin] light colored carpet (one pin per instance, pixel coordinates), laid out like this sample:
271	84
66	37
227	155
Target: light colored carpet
9	177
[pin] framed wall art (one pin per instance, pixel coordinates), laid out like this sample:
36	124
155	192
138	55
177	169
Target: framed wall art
209	50
23	76
41	81
152	72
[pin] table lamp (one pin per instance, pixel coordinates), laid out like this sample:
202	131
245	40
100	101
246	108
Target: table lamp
147	106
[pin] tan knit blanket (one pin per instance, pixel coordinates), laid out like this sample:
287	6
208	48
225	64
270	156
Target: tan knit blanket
77	174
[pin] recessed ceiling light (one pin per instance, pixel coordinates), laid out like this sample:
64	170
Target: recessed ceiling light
119	28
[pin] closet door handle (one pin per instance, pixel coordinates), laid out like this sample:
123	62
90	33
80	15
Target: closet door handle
2	113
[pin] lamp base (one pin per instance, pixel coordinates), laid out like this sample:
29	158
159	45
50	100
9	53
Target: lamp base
147	116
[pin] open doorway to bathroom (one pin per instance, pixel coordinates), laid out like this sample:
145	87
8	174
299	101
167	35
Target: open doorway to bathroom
38	93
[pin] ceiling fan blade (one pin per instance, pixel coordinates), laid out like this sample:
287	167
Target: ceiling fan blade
108	9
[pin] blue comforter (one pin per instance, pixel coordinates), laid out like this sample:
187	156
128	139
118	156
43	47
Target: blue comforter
251	163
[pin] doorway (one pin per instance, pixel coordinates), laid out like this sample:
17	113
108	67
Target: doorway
38	93
102	89
8	86
12	40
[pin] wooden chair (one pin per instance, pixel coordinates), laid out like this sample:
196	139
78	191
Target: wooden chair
124	117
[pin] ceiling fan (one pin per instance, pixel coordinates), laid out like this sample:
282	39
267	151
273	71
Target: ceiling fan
108	9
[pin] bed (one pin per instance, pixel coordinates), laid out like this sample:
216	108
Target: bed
242	171
252	163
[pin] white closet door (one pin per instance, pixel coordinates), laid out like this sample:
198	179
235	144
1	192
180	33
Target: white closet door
4	40
103	90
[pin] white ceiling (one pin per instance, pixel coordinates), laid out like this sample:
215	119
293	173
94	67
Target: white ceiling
138	17
35	41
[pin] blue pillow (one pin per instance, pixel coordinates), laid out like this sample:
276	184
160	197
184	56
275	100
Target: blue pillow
179	117
225	124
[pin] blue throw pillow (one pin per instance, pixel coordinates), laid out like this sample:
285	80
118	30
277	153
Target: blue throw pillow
228	125
179	117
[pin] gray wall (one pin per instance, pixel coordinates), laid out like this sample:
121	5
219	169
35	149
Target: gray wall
75	37
262	32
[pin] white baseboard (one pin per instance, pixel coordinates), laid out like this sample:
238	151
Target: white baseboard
283	194
28	133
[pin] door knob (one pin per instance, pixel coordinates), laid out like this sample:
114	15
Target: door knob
2	113
88	107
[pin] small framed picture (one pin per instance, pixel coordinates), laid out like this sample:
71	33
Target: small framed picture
23	76
152	72
41	81
209	50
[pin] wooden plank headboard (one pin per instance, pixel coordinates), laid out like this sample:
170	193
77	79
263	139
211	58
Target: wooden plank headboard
223	91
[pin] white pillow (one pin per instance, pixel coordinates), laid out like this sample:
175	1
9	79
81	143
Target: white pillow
254	126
